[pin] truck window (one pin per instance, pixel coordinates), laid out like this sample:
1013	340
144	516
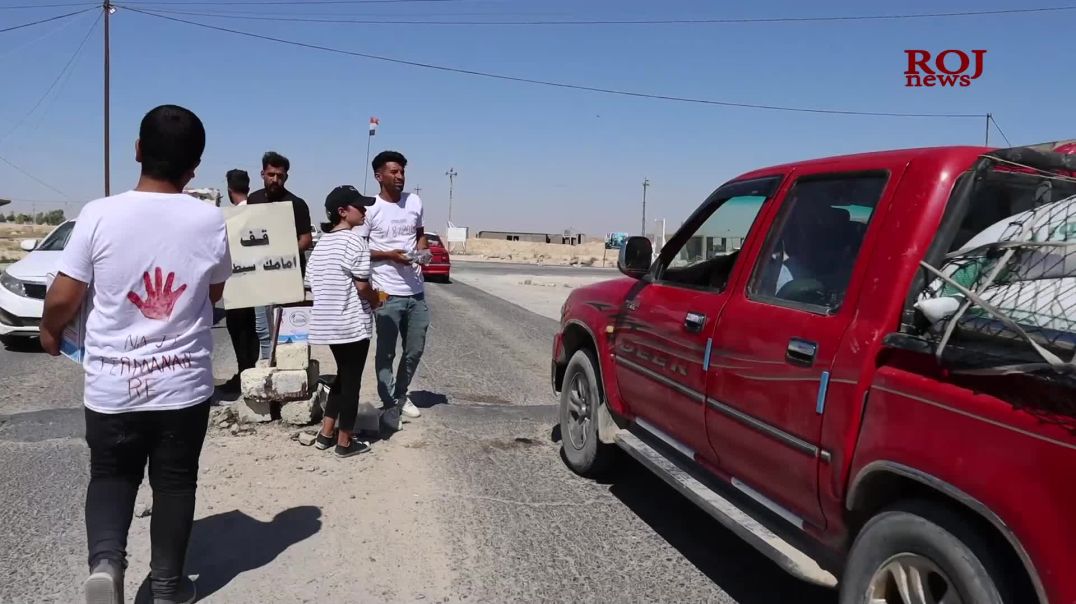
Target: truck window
706	257
813	246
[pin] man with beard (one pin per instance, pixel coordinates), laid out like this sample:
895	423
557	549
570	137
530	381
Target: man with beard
275	169
395	231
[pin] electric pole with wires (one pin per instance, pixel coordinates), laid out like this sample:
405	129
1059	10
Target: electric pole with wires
109	10
451	174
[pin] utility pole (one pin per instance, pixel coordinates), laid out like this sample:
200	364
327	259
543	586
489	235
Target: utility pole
109	9
646	183
418	190
451	174
988	118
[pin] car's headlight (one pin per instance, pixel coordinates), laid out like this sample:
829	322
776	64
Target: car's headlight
13	285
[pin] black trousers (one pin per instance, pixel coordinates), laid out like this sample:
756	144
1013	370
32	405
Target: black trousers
120	445
241	328
343	402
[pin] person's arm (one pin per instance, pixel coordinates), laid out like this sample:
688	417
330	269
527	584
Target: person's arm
75	271
216	292
360	273
392	256
420	229
222	270
306	241
303	226
62	303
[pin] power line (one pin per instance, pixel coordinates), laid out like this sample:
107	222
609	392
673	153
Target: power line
703	21
58	28
1000	131
552	83
34	178
285	2
32	23
63	71
62	5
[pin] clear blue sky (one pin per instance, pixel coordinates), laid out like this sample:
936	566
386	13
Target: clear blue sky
529	157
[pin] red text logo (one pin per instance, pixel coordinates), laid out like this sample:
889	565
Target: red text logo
947	68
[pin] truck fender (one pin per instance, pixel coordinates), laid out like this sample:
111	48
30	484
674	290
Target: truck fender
878	468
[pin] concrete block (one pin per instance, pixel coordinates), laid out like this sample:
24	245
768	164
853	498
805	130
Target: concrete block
293	356
256	383
252	411
289	384
313	375
301	413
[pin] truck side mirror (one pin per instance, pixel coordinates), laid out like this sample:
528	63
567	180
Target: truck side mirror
635	257
28	245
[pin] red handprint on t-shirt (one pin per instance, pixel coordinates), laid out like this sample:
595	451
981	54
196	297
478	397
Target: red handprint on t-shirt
159	299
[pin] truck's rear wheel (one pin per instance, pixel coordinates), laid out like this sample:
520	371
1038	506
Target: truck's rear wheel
920	553
580	398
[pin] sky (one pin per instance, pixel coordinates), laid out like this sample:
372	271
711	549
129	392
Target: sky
528	157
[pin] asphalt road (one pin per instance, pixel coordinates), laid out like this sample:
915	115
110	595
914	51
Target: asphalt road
522	527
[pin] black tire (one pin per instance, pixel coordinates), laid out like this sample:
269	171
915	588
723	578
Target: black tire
943	537
582	450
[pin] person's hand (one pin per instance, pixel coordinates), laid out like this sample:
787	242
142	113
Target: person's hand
399	256
50	343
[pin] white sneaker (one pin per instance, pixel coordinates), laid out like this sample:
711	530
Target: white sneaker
409	409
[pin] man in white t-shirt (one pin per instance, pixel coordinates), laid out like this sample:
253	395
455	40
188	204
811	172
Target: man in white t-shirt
395	231
150	263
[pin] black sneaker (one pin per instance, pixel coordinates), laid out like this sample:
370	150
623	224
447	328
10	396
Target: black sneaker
105	584
323	442
355	447
232	386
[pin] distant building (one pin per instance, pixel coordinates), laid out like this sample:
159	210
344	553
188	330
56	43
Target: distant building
558	238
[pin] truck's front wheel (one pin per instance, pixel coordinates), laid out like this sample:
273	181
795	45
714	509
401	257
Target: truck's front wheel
920	553
580	398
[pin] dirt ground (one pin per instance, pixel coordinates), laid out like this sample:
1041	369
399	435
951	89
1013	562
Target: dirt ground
587	254
12	234
300	504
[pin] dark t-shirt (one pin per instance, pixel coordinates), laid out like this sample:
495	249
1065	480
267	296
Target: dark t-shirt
303	226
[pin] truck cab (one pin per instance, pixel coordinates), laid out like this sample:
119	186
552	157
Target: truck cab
780	365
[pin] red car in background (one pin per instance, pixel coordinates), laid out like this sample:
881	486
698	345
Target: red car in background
440	265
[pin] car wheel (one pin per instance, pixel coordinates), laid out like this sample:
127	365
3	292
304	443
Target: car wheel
919	552
580	398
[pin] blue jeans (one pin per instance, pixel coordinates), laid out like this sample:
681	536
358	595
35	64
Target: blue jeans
403	318
263	319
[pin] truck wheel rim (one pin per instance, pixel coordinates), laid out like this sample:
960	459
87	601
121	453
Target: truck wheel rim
578	412
911	579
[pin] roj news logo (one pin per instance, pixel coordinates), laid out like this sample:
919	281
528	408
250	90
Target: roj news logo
947	68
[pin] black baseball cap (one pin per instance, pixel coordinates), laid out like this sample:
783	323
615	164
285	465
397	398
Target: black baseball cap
346	195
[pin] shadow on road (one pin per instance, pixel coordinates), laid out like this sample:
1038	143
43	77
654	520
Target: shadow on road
227	545
743	572
424	399
32	345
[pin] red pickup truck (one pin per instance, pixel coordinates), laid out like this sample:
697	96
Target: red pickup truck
783	363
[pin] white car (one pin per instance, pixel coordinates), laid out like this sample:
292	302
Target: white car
22	285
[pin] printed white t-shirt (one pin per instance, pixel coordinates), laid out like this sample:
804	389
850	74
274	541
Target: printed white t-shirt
394	226
149	259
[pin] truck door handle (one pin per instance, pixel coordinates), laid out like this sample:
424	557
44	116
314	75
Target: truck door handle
801	352
694	321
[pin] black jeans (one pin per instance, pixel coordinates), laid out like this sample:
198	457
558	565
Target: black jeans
120	444
240	322
343	402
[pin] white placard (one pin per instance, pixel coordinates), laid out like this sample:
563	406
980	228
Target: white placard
265	256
